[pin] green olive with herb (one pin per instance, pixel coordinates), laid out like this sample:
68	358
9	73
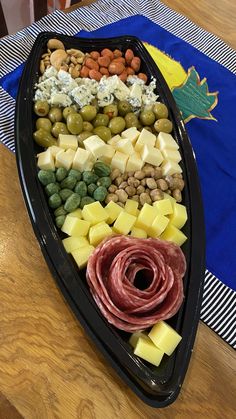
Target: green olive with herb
61	174
55	115
74	123
72	203
124	107
44	138
41	107
131	120
46	176
103	132
101	120
85	201
52	188
160	110
59	220
44	123
54	201
147	117
67	111
59	128
117	125
100	193
110	110
88	112
163	125
87	126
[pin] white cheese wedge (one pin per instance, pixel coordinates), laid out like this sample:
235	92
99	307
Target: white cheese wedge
82	159
46	160
151	155
165	140
108	153
119	161
67	141
134	163
136	92
95	145
145	137
54	150
114	140
169	154
65	159
131	133
125	146
169	167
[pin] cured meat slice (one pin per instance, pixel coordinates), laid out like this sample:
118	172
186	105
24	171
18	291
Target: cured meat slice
136	282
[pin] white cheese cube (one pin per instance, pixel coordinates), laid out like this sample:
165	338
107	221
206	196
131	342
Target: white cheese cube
145	137
65	159
67	141
165	140
54	150
114	140
151	155
134	163
169	167
125	146
81	159
119	161
107	154
46	160
95	145
169	154
131	133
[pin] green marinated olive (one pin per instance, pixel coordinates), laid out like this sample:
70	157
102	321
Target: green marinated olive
148	128
160	110
89	177
163	125
44	123
67	111
54	201
101	120
72	203
100	193
101	169
69	182
117	125
91	188
85	201
52	188
103	132
104	181
124	107
46	177
55	115
61	173
131	120
60	211
65	193
94	102
88	112
59	128
75	173
147	117
81	189
44	138
75	123
41	107
110	110
87	126
59	220
82	136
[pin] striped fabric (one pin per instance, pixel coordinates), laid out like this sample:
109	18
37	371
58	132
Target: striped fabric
219	302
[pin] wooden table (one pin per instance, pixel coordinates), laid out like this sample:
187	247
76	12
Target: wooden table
48	366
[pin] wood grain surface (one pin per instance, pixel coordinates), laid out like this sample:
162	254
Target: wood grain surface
49	368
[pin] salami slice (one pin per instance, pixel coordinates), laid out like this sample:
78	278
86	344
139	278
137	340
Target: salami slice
112	273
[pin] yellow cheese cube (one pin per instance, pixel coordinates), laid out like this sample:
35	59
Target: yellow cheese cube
113	210
119	161
82	254
94	213
146	217
74	226
164	337
81	159
108	153
134	163
145	137
163	206
95	145
73	243
151	155
171	199
138	232
169	167
173	234
131	207
124	146
65	159
146	350
169	154
77	213
67	141
54	150
98	232
179	216
46	160
114	140
124	223
133	340
165	140
158	226
131	133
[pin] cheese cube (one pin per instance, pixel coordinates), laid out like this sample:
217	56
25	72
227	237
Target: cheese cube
131	207
164	337
151	155
131	133
81	159
169	154
145	137
125	146
95	145
133	340
169	167
77	213
73	243
138	232
65	159
165	140
98	232
171	199
146	350
114	140
119	161
94	213
113	210
54	150
179	216
163	206
108	153
74	226
67	141
173	234
124	223
134	163
158	226
82	254
146	217
46	160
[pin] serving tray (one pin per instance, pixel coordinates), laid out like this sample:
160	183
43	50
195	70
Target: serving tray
156	386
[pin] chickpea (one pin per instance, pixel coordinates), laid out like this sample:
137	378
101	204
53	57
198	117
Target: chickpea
115	173
133	182
111	197
118	180
135	198
125	176
168	191
144	198
149	171
139	175
123	185
162	184
177	195
130	174
174	183
151	183
158	173
143	182
156	195
178	175
112	188
121	204
140	189
122	195
131	190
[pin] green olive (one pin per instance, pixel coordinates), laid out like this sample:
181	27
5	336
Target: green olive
44	123
88	112
82	136
44	138
87	126
59	128
75	123
41	107
163	125
67	111
101	120
94	102
103	132
160	110
131	120
148	128
117	124
110	110
147	117
124	107
55	115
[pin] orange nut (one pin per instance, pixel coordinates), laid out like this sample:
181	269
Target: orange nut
104	71
143	76
104	61
130	71
94	55
123	76
90	63
135	64
84	72
94	74
116	68
117	53
107	51
129	55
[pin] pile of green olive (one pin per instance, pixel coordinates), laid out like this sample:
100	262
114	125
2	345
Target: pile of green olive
89	120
